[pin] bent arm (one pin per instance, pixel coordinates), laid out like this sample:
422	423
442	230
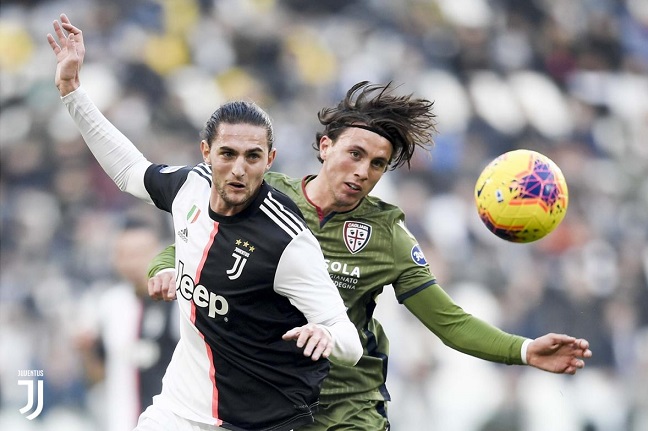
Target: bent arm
463	331
303	279
116	154
347	349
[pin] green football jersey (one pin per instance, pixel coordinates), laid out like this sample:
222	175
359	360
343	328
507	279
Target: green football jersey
365	249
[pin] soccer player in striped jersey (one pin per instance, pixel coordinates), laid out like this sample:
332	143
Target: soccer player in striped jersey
259	314
368	246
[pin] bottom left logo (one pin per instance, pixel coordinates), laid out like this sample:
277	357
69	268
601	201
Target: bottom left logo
34	395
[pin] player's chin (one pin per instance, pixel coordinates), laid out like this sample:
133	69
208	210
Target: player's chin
237	197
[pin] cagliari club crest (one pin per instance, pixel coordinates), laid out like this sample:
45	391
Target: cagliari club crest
356	235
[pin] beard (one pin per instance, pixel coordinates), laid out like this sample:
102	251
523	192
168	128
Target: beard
234	198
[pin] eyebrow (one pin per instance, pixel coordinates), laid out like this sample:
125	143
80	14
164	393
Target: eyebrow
258	149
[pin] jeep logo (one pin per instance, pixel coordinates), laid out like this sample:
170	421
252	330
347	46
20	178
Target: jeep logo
200	296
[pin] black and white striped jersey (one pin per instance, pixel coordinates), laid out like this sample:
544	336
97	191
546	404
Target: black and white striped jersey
242	281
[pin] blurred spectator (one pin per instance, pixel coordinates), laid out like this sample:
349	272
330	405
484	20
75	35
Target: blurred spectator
125	338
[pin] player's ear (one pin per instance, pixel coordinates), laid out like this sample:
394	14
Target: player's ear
324	146
205	149
271	156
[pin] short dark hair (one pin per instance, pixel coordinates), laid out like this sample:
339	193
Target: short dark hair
238	112
405	121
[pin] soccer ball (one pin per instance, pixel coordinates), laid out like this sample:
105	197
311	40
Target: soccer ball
521	196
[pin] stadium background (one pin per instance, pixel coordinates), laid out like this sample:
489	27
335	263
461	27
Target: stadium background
569	79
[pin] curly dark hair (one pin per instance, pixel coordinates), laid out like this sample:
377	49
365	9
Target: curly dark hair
404	121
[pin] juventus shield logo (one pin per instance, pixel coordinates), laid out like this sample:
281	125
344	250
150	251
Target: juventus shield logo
241	257
239	263
30	398
356	235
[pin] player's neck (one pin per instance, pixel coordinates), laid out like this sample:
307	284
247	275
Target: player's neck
318	194
313	190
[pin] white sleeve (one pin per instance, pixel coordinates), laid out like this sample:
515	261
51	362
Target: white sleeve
347	349
303	279
116	154
523	351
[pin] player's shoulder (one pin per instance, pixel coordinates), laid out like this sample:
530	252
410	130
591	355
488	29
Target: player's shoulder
201	170
286	201
199	175
282	219
283	182
170	169
375	207
175	174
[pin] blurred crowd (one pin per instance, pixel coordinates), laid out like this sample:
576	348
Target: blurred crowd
566	78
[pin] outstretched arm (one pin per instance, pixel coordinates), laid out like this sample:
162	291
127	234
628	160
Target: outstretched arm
468	334
116	154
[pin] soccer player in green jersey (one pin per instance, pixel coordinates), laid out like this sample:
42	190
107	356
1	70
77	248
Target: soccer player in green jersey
368	246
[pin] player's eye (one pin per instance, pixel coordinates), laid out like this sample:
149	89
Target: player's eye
379	164
253	158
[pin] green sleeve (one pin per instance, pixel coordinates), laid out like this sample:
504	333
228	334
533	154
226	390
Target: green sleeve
463	331
164	260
